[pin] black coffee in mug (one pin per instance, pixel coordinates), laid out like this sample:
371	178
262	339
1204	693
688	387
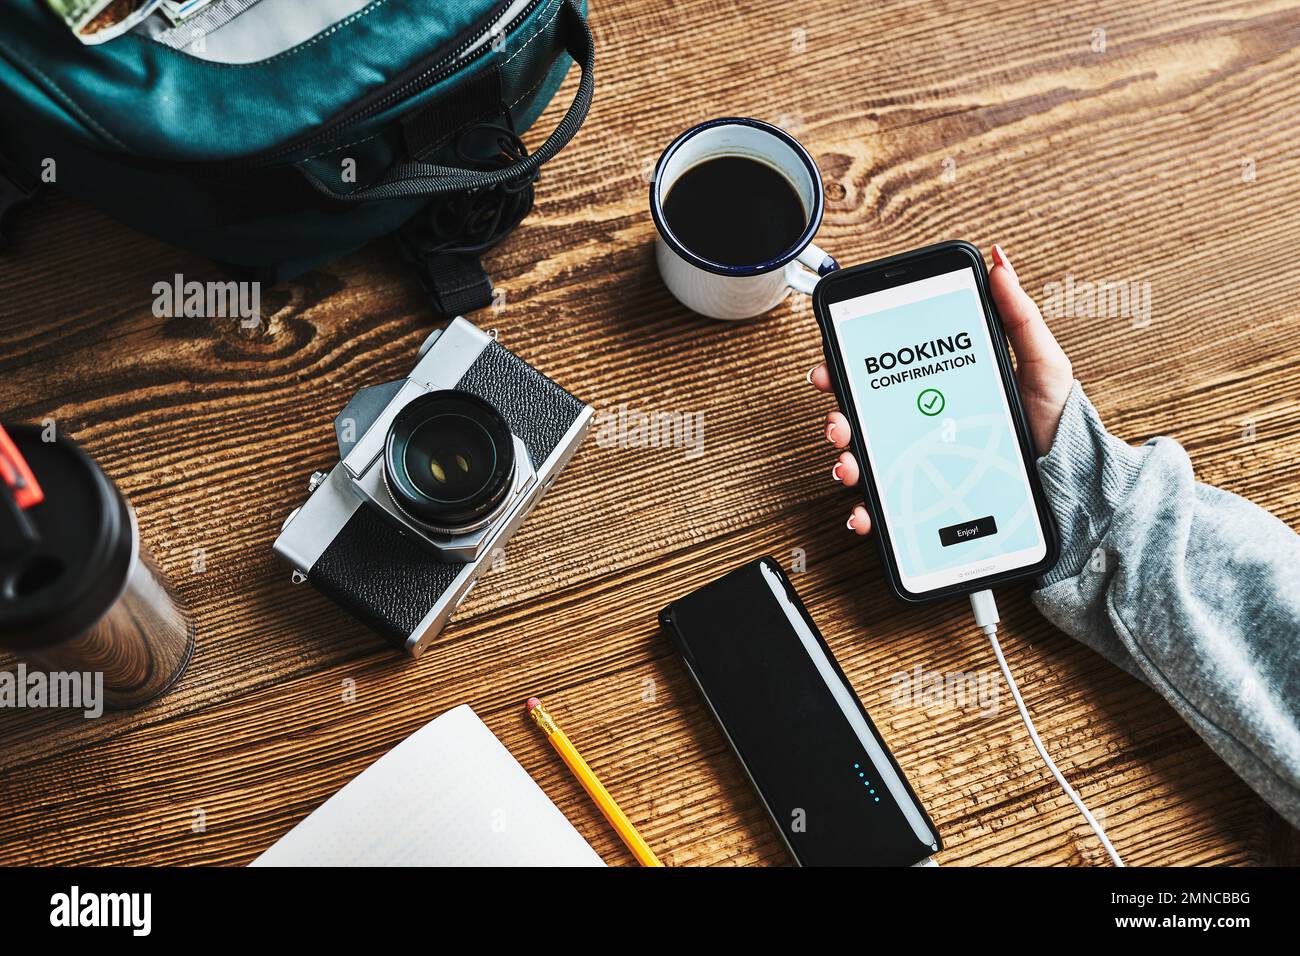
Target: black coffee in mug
735	211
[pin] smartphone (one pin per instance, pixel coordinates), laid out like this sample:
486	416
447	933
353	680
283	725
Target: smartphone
832	788
920	366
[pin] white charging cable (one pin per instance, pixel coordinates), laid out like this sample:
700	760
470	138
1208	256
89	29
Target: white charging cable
986	619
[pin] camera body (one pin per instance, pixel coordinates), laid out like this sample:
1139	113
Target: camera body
435	473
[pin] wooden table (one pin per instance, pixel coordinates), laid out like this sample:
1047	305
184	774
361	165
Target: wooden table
1102	140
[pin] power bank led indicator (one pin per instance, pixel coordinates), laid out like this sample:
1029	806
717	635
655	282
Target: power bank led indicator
866	783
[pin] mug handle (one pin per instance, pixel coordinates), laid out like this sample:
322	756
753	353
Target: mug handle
801	279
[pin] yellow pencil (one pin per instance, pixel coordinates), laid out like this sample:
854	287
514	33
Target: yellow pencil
595	789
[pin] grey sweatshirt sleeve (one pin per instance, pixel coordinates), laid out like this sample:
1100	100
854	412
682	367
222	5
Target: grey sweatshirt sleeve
1192	589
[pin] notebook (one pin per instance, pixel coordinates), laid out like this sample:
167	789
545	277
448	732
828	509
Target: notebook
448	795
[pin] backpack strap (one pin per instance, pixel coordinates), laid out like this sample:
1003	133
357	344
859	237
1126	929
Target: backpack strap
443	242
475	204
430	179
456	283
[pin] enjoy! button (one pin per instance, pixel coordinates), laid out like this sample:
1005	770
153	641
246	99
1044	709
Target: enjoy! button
968	531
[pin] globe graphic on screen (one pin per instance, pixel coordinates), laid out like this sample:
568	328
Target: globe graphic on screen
933	483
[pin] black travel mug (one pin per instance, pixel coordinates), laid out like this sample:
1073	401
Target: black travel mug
78	592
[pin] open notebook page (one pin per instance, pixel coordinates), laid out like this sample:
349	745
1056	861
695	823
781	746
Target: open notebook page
448	795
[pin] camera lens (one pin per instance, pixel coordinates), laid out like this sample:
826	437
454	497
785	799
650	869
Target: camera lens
449	460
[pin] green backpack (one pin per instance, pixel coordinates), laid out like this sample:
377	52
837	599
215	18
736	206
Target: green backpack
275	135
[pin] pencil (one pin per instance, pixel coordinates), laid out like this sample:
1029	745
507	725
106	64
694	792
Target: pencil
595	789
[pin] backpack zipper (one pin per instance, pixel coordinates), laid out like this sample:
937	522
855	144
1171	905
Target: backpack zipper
435	74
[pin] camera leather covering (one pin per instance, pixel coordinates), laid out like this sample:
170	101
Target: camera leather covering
381	575
535	408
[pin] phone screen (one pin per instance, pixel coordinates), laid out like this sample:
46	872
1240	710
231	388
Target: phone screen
936	424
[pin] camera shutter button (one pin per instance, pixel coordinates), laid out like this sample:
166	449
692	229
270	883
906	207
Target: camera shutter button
428	342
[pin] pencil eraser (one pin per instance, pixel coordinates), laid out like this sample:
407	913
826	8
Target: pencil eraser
533	702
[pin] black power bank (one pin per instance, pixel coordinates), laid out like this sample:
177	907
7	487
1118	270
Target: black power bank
831	786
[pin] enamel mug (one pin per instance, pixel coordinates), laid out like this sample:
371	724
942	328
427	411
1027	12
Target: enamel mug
739	291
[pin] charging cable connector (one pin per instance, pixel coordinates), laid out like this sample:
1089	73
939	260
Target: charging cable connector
986	619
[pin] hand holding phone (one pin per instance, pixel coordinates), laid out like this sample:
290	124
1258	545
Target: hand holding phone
886	335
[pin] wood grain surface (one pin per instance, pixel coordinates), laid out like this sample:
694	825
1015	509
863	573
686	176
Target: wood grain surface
1153	143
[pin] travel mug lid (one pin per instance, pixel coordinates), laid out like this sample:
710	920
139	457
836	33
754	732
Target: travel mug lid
85	545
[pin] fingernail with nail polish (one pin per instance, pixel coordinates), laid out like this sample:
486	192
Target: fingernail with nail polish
830	433
1000	259
835	472
850	524
808	378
